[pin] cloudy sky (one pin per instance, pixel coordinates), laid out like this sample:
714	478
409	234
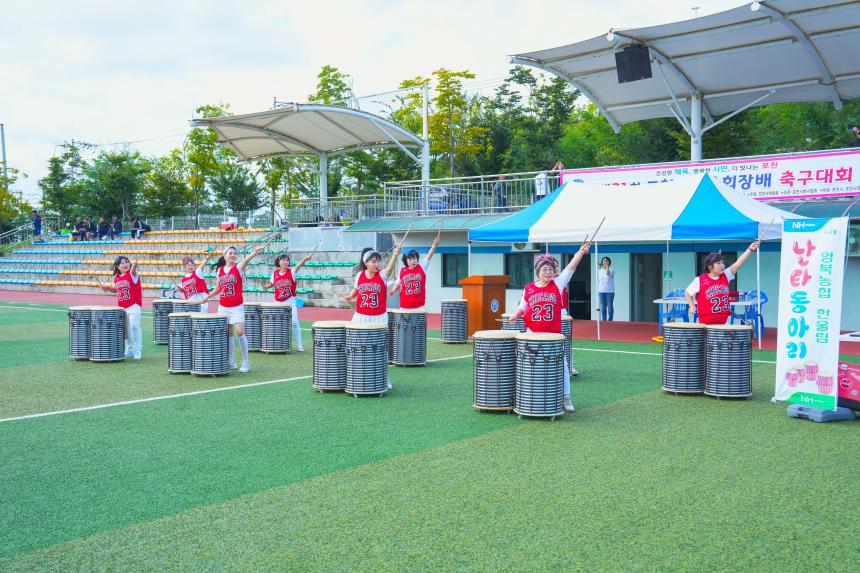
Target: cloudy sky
107	72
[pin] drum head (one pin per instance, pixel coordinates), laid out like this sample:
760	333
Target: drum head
252	303
163	301
566	318
99	308
453	300
408	311
207	315
329	324
691	325
728	327
274	304
178	314
495	334
539	336
82	307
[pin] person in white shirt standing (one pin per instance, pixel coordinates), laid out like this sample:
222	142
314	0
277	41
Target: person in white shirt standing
606	289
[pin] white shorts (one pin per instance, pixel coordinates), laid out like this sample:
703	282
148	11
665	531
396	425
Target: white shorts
197	297
370	318
133	311
234	314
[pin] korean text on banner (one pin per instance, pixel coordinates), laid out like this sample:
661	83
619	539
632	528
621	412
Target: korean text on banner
810	305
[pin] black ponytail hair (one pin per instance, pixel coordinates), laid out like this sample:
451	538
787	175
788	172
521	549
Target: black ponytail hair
116	262
362	266
409	254
219	263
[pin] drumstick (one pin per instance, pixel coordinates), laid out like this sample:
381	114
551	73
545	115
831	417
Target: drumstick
406	235
595	231
766	229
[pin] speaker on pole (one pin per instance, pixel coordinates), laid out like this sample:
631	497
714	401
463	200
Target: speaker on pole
633	63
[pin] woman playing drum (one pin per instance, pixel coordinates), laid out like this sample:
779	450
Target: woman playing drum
711	288
129	296
285	290
413	278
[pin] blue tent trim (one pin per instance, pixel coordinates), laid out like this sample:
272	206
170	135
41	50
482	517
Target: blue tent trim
515	228
708	215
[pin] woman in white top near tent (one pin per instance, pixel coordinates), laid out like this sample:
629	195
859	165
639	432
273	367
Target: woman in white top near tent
711	288
606	289
541	306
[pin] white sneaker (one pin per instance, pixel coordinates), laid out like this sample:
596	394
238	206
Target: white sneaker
388	385
568	405
300	348
246	367
233	366
137	356
574	372
128	353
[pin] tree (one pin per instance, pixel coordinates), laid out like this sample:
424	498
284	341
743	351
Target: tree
236	188
332	87
165	191
12	208
203	155
113	182
61	187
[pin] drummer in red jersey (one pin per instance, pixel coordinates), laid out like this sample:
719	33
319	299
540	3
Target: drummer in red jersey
230	302
541	304
369	292
413	278
285	290
711	288
193	285
129	296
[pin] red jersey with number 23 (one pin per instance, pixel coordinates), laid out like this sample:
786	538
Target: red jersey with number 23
544	313
230	283
371	295
192	284
128	293
285	285
412	283
713	299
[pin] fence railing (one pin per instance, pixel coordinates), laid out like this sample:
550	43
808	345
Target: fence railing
258	219
483	194
336	211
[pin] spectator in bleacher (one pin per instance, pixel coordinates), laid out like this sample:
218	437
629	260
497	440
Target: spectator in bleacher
138	228
79	231
102	229
115	228
90	227
37	227
856	130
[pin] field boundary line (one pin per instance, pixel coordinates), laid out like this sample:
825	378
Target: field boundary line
638	353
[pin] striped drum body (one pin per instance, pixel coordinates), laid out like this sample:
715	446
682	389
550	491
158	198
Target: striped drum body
185	306
495	353
161	307
107	334
366	358
329	354
728	360
179	342
209	342
540	374
389	336
410	337
454	321
254	325
684	357
277	323
519	325
567	331
79	332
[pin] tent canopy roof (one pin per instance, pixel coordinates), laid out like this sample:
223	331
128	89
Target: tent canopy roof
307	129
676	210
787	51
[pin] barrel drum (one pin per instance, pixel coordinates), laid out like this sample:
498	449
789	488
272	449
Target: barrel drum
254	325
161	308
495	366
329	354
366	358
684	357
79	332
540	374
455	329
277	327
410	337
728	360
209	344
107	334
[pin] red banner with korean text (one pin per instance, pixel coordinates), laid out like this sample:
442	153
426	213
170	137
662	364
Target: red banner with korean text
812	266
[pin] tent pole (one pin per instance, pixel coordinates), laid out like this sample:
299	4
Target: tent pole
547	248
596	257
758	295
668	268
469	258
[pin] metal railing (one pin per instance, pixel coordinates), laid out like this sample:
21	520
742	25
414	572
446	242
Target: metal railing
480	194
336	211
259	220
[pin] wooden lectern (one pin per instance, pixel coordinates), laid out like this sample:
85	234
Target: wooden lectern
486	301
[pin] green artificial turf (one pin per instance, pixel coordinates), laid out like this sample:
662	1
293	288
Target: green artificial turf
279	477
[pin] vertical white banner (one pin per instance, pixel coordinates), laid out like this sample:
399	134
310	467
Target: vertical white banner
810	306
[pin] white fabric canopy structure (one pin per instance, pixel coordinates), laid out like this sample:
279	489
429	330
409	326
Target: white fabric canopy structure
313	129
766	52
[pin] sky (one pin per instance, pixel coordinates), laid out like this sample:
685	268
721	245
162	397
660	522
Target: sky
113	72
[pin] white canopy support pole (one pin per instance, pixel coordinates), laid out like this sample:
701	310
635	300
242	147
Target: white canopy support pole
596	258
758	295
668	267
323	179
696	126
547	248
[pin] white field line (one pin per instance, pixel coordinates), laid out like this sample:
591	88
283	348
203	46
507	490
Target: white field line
647	353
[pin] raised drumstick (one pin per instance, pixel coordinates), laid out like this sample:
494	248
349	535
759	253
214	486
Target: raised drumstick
595	231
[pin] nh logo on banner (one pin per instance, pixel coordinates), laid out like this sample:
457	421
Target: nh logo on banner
810	307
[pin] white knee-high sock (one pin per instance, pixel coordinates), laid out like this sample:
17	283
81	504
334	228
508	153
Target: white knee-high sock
231	350
138	338
297	330
566	378
243	342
